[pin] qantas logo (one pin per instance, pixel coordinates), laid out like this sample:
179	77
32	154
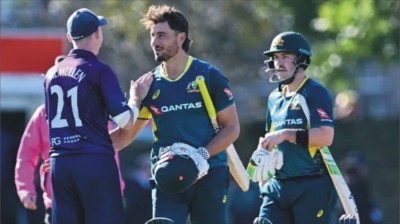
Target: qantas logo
183	106
323	114
288	122
228	93
155	110
176	107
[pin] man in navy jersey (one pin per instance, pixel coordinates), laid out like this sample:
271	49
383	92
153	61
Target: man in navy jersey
175	105
81	94
299	121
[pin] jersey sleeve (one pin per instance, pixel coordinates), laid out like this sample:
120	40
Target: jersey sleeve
144	114
321	107
112	93
220	90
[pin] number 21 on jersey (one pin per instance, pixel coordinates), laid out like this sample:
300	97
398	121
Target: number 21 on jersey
57	121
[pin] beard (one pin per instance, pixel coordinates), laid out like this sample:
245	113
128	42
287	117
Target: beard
169	52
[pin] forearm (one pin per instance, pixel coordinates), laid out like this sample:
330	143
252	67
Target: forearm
121	138
321	136
223	139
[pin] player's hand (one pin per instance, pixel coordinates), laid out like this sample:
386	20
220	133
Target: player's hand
348	219
264	163
45	167
258	168
29	201
272	139
200	160
140	88
199	156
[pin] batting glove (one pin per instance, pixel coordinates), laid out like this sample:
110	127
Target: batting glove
348	219
263	164
199	155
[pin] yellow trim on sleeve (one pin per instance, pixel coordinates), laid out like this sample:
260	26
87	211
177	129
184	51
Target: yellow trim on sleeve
144	113
272	128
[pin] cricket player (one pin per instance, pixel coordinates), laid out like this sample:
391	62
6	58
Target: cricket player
181	126
81	94
299	121
34	146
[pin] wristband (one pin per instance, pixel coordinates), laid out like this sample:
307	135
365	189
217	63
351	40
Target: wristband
135	112
302	137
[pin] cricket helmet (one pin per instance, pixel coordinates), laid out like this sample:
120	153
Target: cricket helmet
175	174
290	42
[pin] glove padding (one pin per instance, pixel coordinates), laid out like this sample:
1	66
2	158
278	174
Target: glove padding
263	164
199	156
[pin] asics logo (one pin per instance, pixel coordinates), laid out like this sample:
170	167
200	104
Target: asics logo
156	94
320	213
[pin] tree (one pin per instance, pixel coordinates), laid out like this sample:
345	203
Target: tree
233	35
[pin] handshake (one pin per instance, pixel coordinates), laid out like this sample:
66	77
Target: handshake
264	163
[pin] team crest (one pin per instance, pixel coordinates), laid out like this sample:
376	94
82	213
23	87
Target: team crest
295	104
278	42
192	87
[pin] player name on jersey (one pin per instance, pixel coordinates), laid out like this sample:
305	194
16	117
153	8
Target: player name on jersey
72	72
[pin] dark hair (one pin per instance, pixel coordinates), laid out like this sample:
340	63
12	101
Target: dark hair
176	20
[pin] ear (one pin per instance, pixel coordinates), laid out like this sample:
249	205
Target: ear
69	37
182	38
97	33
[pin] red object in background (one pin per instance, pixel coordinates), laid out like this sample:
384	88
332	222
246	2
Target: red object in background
29	55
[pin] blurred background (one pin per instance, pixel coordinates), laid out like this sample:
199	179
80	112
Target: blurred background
355	45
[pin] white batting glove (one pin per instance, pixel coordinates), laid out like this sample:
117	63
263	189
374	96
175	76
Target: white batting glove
277	158
199	155
201	164
263	164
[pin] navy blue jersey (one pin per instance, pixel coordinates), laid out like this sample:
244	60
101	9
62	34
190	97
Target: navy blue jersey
177	108
81	92
310	106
